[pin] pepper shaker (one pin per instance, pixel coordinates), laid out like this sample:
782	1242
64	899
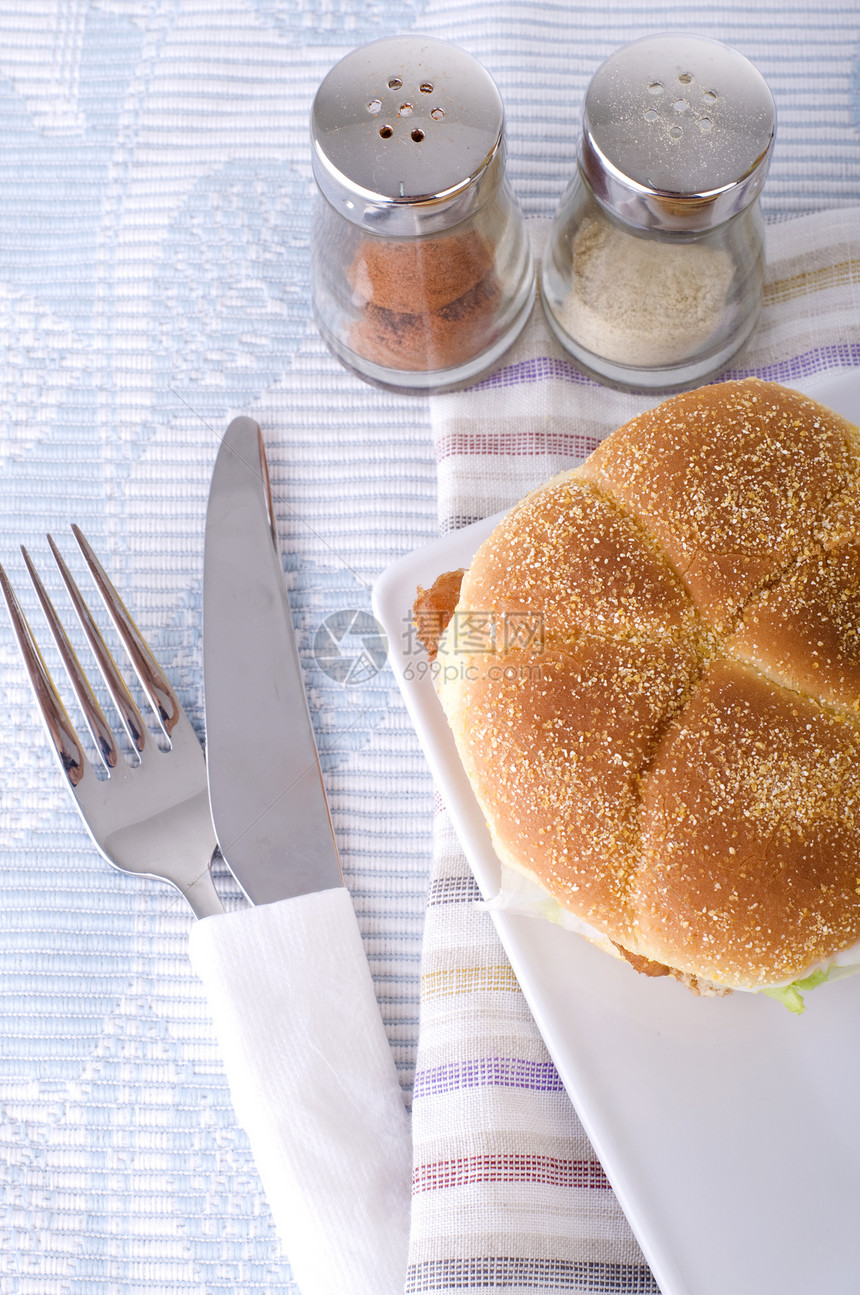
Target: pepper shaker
421	266
653	271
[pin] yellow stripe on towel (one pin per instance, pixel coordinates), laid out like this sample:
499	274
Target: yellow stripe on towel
809	281
468	980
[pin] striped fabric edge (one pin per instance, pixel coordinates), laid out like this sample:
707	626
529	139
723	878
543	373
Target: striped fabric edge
508	1273
487	1072
574	446
541	368
806	281
496	1138
446	982
509	1167
453	890
566	444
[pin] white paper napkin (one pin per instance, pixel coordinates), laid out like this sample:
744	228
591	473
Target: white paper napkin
314	1086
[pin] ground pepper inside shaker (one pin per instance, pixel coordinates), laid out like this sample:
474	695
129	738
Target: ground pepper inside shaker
424	303
653	271
422	271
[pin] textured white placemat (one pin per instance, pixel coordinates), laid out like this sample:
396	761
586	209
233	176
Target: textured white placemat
154	221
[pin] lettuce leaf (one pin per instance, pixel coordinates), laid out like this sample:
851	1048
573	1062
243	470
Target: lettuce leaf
791	996
521	892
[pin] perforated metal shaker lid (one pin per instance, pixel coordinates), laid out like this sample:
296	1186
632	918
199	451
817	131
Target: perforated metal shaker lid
677	132
407	135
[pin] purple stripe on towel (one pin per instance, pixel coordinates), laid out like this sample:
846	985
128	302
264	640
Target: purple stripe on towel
488	1072
838	356
536	370
546	367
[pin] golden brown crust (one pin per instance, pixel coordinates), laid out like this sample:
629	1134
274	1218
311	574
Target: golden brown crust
672	743
750	833
805	630
570	560
732	480
554	743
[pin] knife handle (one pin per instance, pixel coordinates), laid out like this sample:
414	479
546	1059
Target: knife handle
314	1085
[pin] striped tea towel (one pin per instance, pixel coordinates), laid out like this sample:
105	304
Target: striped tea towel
508	1196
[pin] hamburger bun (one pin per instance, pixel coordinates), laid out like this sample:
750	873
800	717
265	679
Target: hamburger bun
652	674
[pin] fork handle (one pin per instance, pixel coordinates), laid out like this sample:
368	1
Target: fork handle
314	1084
202	895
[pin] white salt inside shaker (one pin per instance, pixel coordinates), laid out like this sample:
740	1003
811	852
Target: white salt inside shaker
653	272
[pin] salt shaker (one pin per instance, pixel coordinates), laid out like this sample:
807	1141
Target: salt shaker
422	270
653	271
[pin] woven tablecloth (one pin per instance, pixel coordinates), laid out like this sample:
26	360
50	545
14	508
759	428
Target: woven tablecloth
155	209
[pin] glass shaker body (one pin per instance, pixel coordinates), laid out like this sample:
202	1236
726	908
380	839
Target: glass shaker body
653	271
421	266
424	311
650	309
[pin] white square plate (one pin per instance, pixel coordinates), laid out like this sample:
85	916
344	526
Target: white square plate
729	1129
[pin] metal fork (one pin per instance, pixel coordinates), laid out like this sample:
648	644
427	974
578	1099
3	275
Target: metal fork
152	817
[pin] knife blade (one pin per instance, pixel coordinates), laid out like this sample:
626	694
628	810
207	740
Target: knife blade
311	1073
266	790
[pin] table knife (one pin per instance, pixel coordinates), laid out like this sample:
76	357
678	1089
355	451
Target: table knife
311	1073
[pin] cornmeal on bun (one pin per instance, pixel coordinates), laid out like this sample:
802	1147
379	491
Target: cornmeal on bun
652	673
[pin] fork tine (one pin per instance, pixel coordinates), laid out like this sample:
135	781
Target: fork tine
152	679
123	700
60	730
92	711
